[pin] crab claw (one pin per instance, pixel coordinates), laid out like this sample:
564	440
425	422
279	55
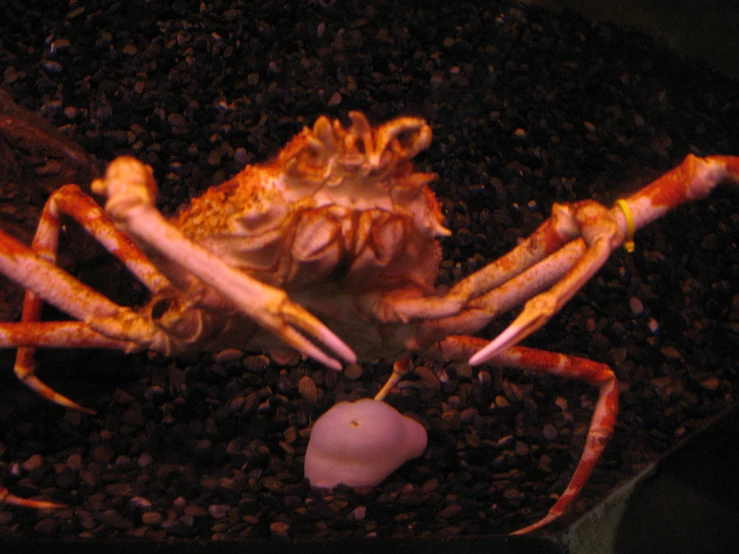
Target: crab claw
130	190
602	233
535	315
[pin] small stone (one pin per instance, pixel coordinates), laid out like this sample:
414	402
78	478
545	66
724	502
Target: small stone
74	462
430	486
70	112
550	432
307	389
467	415
450	511
501	401
177	120
194	510
256	364
176	527
279	528
637	308
145	459
672	353
335	99
102	453
32	463
75	12
129	50
512	392
359	513
353	372
46	527
428	377
228	355
519	133
140	503
290	435
61	44
218	511
52	66
152	518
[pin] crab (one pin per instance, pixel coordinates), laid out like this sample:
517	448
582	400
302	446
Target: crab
331	250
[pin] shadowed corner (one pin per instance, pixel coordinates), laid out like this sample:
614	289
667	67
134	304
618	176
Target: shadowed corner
687	502
702	31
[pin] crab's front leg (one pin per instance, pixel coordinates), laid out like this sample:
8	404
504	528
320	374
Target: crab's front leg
130	188
605	230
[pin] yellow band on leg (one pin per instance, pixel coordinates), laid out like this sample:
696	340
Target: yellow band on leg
626	209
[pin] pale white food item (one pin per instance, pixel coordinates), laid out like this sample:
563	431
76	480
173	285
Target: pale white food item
361	443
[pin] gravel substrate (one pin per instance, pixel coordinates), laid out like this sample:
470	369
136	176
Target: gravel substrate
527	108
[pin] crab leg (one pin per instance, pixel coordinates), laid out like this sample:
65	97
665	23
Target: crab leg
70	200
482	310
130	188
60	289
7	498
547	239
604	417
605	230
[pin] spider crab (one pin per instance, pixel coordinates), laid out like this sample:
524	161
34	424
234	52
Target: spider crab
335	237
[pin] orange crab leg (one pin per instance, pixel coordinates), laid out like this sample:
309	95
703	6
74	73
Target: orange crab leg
55	286
7	498
594	373
29	335
71	201
605	230
482	310
58	334
545	241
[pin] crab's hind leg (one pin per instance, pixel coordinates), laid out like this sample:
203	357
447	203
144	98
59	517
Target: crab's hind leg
71	201
460	348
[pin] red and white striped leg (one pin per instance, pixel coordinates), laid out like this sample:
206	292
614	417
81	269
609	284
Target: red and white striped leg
571	367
